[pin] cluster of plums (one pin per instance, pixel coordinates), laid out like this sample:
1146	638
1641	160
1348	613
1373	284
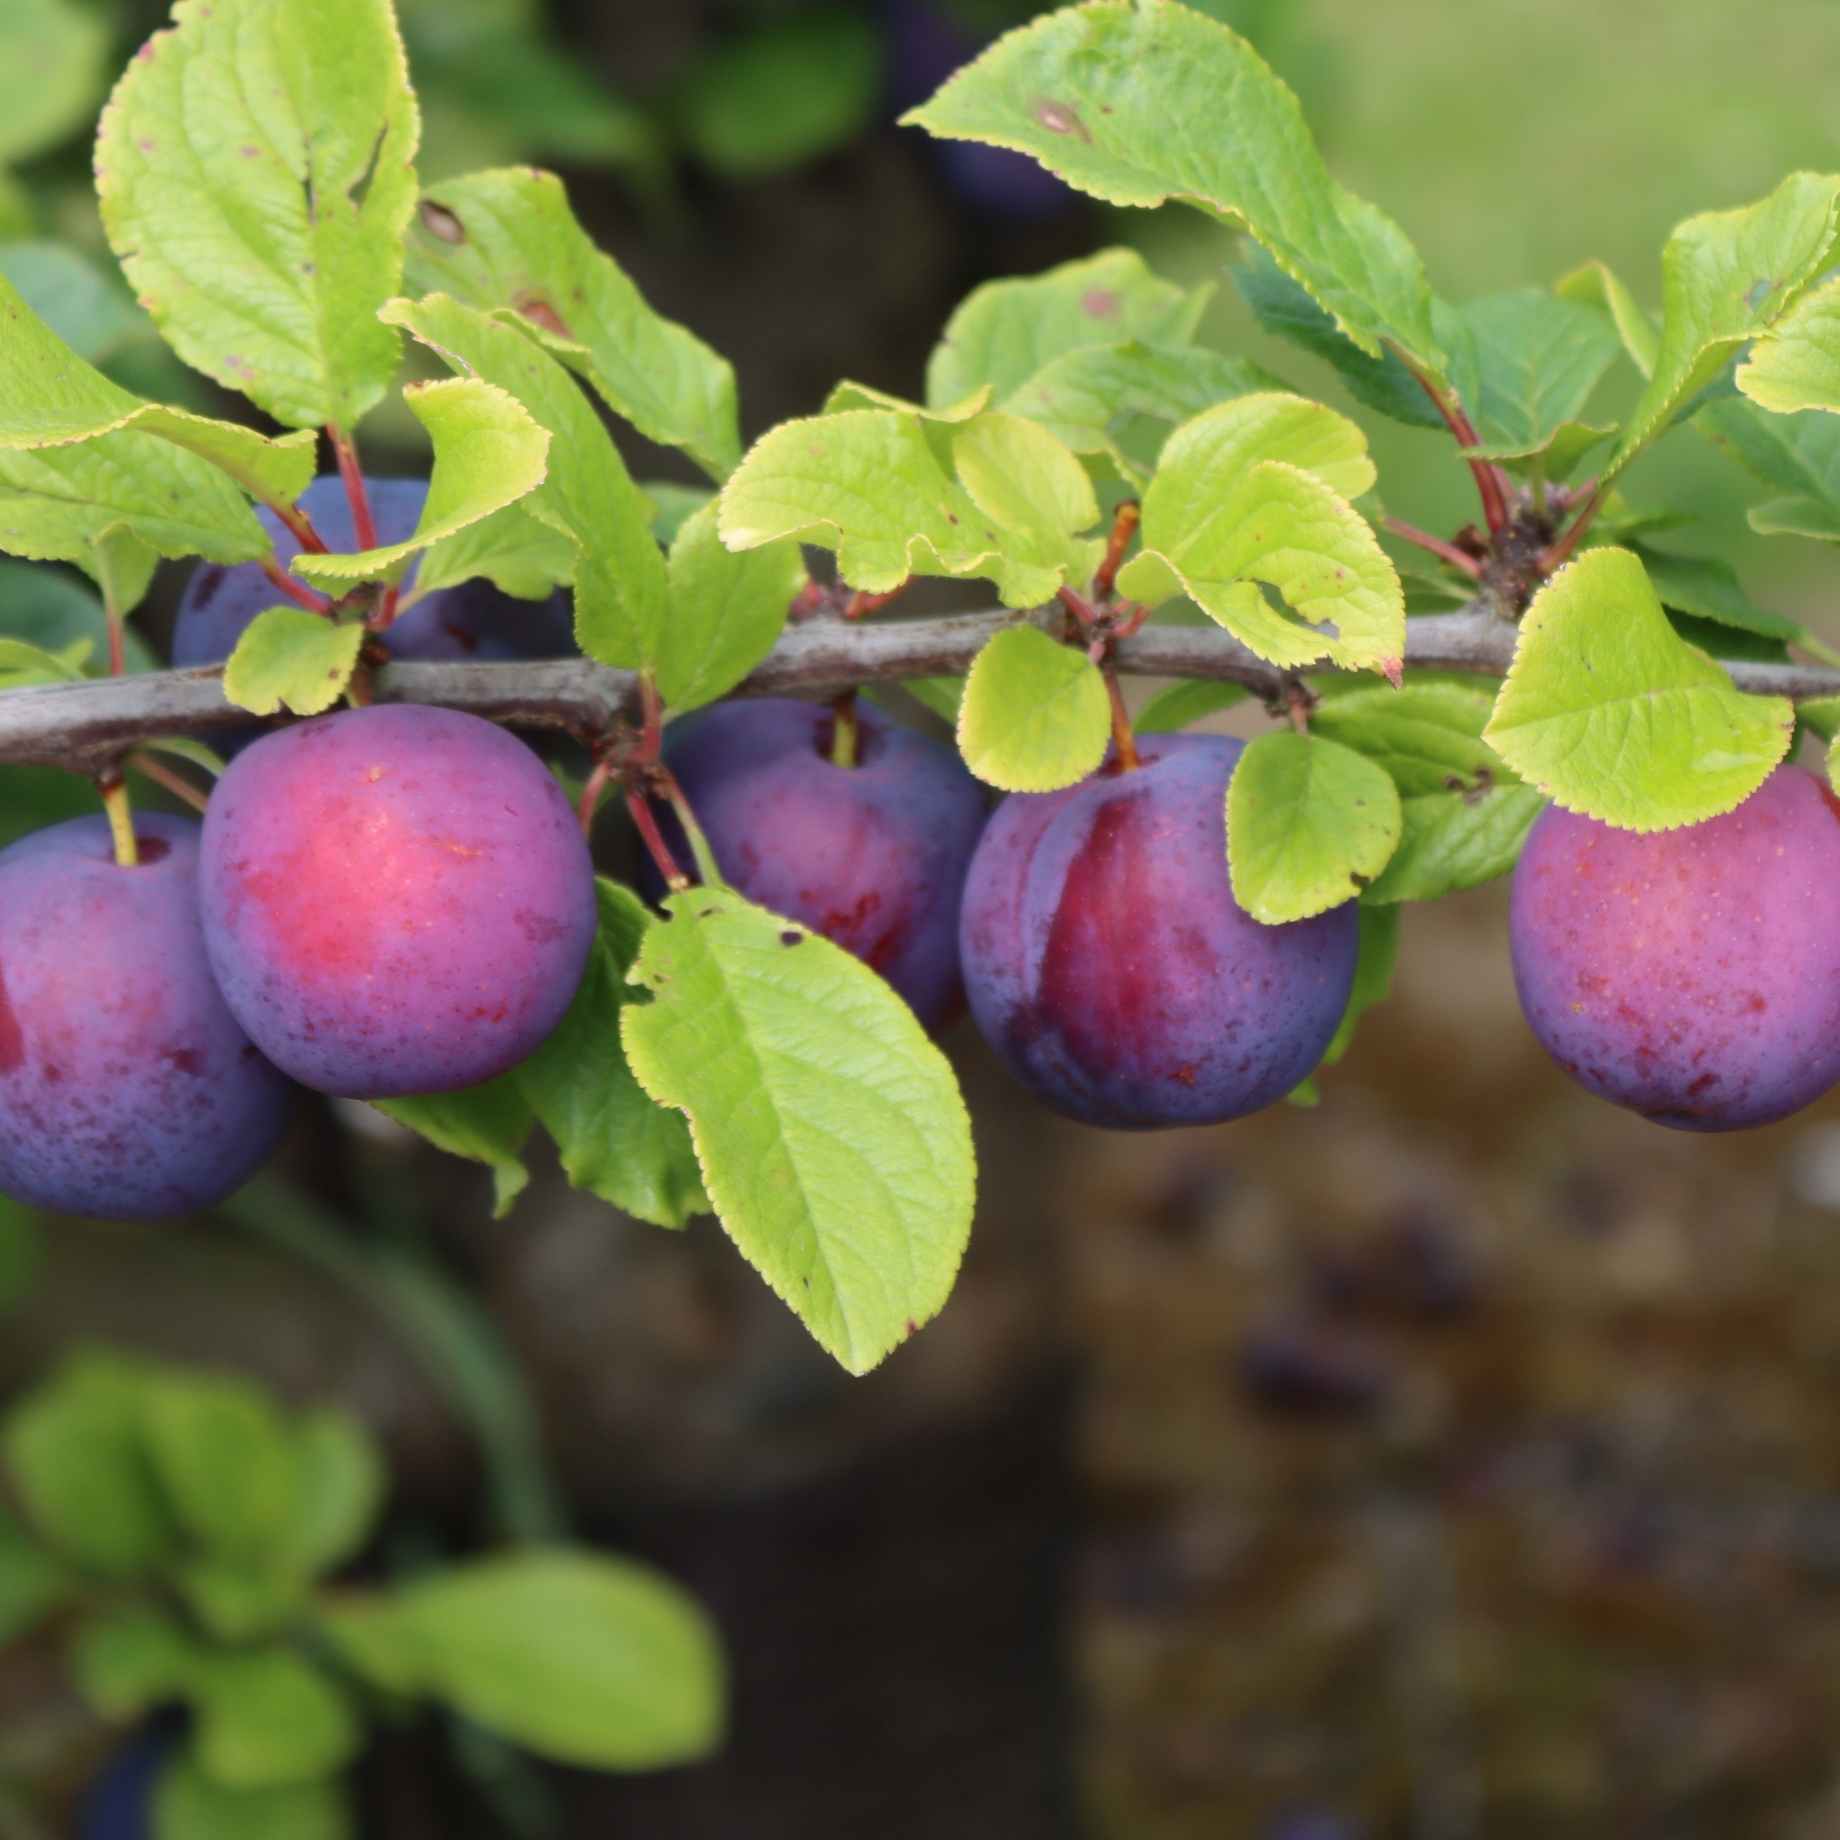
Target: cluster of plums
398	900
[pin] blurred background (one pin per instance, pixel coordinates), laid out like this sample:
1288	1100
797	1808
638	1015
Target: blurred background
1460	1457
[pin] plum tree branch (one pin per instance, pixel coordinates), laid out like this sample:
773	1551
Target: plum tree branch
90	726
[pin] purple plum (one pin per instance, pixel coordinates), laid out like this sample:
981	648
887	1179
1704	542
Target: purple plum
1110	967
1691	975
872	856
127	1090
471	621
119	1803
395	899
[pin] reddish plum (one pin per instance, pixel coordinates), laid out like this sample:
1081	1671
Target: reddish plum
1109	965
126	1087
395	900
1690	975
873	856
471	621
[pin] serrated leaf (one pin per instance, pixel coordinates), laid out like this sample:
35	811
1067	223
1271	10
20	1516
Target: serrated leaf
833	1141
267	1717
488	1123
1797	455
188	1804
850	395
621	594
22	664
518	553
83	303
869	484
1286	309
507	239
1123	400
1610	713
52	70
1425	735
1708	588
1183	704
488	454
613	1141
255	171
1796	364
1727	277
1309	824
290	658
1593	284
1247	496
1816	518
1005	332
1527	365
673	505
583	1658
224	1456
1456	839
727	609
1035	715
1125	102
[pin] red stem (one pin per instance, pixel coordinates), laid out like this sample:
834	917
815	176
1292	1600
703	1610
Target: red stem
1489	481
118	652
1561	551
300	525
1445	552
860	603
1124	527
364	526
654	841
300	596
592	792
1077	605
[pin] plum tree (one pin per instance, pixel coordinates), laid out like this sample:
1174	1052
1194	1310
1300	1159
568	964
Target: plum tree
1691	975
472	620
872	855
395	899
126	1086
1109	965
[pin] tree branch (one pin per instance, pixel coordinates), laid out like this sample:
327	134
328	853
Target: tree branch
90	726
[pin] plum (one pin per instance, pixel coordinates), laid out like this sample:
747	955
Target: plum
1691	975
127	1089
395	899
872	856
1109	965
119	1803
471	621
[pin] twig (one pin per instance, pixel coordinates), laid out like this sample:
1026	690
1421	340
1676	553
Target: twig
86	726
1445	552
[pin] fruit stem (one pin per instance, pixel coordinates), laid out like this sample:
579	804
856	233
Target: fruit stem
300	596
180	787
844	730
1123	740
653	838
1124	528
363	525
706	865
1445	552
1490	485
114	790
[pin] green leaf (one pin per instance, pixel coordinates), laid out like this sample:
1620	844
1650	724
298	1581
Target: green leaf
488	1124
1309	824
838	1157
84	304
78	1458
613	1140
266	1718
621	592
22	664
1816	518
767	99
190	1805
255	172
1286	309
869	484
673	506
1456	839
1035	714
1727	277
1140	104
1006	332
289	657
51	610
727	609
224	1457
1796	364
340	1480
944	696
518	553
1250	495
1123	400
237	1601
53	71
33	1582
129	1659
488	454
1593	284
1611	714
507	239
848	395
579	1657
1529	363
1182	704
1709	589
